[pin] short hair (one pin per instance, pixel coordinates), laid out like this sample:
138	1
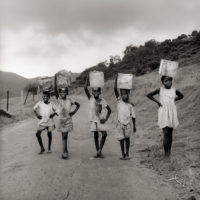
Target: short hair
99	89
164	77
63	89
127	90
46	92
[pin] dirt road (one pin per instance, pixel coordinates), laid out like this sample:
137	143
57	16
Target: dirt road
28	176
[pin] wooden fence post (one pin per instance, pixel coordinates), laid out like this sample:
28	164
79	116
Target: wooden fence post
22	96
7	106
26	96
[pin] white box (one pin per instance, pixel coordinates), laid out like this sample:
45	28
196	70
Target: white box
63	78
96	79
125	81
168	68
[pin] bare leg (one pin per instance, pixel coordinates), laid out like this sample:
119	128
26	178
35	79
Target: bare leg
127	141
96	140
103	139
122	149
38	135
49	134
167	140
64	141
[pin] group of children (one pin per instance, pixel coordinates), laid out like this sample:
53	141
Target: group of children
100	112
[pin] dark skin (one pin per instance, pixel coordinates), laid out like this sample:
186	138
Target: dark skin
46	98
124	143
63	95
167	82
167	131
96	93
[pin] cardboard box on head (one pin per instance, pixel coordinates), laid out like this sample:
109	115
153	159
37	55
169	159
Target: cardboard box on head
125	81
63	78
168	68
96	79
46	84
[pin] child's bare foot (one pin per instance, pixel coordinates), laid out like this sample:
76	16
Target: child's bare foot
49	151
127	158
101	155
123	157
67	154
64	156
42	151
96	156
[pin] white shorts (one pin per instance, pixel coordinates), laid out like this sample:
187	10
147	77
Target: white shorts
95	126
123	131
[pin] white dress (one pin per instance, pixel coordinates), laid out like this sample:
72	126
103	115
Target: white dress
65	123
95	118
167	113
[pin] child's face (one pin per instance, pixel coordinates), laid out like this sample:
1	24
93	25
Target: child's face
124	94
167	82
63	94
96	92
46	98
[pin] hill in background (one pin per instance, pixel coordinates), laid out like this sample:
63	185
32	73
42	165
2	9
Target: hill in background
12	82
15	83
146	58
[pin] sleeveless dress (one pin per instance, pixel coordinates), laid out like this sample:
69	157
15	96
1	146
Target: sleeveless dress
167	113
65	123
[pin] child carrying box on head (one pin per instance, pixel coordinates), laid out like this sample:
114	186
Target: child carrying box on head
64	109
45	111
99	111
167	113
126	114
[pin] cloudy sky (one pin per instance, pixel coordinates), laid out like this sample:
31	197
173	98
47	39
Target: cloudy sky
40	37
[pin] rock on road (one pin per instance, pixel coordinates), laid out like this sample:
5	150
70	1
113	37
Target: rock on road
25	175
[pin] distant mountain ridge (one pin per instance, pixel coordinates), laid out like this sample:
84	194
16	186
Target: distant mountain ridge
12	82
15	83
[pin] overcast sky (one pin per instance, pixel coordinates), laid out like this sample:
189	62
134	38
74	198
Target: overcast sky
40	37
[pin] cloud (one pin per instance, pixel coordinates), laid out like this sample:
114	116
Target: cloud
101	17
42	36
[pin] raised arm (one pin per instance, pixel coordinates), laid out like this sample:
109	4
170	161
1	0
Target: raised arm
134	126
86	88
115	88
152	94
107	116
76	109
179	95
55	87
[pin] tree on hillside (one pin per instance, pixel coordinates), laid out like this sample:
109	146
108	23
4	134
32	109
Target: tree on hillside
115	59
182	36
194	33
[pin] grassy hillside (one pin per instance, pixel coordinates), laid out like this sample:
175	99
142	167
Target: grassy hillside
12	82
146	58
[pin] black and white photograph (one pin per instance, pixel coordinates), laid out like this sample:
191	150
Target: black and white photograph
99	99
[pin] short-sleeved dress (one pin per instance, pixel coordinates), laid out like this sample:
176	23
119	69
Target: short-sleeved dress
167	113
95	118
125	114
65	123
45	110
